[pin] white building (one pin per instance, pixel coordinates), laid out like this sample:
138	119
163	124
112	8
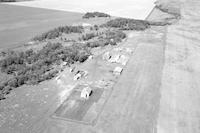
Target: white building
77	76
118	71
86	25
106	56
86	92
80	74
115	58
123	60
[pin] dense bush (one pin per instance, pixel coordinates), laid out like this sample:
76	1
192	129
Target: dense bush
88	36
115	35
95	14
31	67
98	43
52	34
128	24
173	10
111	37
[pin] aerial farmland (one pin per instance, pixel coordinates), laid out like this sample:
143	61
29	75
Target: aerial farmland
99	67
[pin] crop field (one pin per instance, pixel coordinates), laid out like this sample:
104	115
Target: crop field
137	9
18	24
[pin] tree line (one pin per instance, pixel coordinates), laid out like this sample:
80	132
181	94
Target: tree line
52	34
95	14
127	24
33	67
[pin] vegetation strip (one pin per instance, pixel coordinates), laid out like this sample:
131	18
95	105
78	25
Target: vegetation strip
95	14
34	66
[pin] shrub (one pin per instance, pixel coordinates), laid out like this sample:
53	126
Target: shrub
82	56
88	36
109	37
13	83
2	96
21	79
6	90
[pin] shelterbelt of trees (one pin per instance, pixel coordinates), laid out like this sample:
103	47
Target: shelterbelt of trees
95	14
33	67
133	24
52	34
128	24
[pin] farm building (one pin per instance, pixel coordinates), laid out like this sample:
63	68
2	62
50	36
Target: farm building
106	56
90	57
86	92
117	70
119	49
72	69
123	60
114	58
86	25
79	74
128	50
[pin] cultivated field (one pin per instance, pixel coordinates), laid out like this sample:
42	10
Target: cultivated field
157	91
138	9
18	24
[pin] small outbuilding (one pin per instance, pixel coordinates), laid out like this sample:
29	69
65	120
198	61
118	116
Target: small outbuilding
106	56
119	49
128	50
86	93
118	71
86	25
72	69
115	58
90	57
123	60
79	74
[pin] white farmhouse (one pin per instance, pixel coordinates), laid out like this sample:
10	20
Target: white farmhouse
86	92
123	60
106	56
86	25
114	58
118	71
77	76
